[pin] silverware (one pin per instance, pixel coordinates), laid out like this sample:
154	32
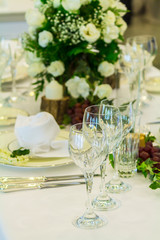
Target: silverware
7	118
8	180
6	188
156	122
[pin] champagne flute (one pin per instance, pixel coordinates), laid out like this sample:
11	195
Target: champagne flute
145	47
87	155
110	121
116	185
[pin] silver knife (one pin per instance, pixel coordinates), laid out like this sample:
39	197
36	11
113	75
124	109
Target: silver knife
6	188
9	180
156	122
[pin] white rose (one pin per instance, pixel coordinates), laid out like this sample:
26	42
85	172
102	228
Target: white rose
110	33
113	3
34	18
37	3
78	87
122	7
122	25
56	3
103	91
70	5
83	88
32	32
36	68
84	2
105	4
90	33
56	68
31	57
109	18
44	38
106	69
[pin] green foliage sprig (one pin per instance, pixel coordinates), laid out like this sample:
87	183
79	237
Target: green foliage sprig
19	152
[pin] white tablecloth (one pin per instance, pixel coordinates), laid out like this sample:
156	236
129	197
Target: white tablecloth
48	213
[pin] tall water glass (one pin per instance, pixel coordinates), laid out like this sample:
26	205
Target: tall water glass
87	149
116	185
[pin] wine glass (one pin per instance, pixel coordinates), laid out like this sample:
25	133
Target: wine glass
145	47
116	185
128	65
109	119
4	61
16	55
87	149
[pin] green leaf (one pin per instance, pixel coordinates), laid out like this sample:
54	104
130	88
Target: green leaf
146	167
66	119
19	152
149	138
111	160
155	185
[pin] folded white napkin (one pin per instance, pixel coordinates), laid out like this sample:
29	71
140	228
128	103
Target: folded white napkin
36	132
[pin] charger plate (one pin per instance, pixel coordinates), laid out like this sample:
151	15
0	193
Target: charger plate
35	162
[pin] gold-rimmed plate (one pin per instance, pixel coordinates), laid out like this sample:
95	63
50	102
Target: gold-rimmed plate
34	162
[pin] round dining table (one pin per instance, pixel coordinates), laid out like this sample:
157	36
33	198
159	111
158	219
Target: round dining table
48	213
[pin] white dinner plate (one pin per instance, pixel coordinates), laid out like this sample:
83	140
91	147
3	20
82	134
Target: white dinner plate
35	162
8	115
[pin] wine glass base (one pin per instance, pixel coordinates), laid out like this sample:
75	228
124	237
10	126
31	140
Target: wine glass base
117	187
89	222
105	203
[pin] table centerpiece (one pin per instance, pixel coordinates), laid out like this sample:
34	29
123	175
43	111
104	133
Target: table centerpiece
74	42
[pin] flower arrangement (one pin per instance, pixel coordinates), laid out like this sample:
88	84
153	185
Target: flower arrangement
74	42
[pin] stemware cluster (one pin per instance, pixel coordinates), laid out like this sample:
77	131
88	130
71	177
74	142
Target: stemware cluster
4	61
11	53
101	133
137	55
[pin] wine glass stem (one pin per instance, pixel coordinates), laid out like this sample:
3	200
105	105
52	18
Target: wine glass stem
103	172
0	85
116	156
13	74
140	80
89	184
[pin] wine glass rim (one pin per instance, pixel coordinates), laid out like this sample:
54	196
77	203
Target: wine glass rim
80	124
148	36
99	105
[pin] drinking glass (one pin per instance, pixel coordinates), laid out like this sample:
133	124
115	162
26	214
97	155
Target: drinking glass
16	55
4	61
116	185
128	65
145	47
109	119
87	149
